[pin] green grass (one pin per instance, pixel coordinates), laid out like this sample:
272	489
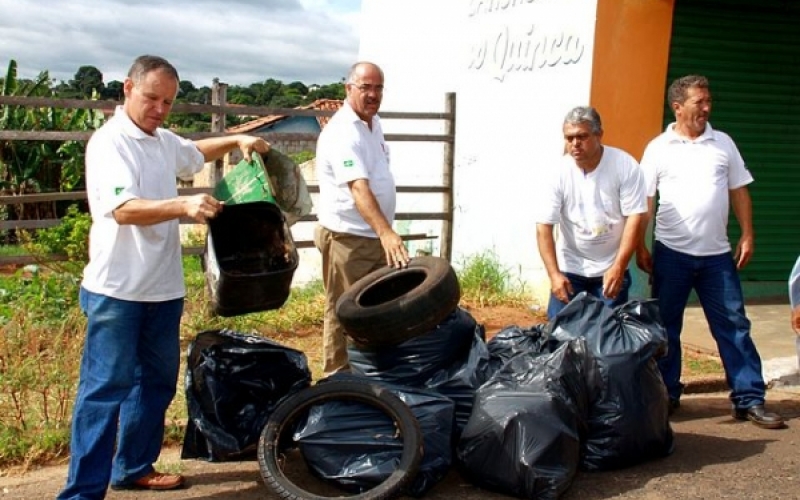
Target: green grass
12	251
695	365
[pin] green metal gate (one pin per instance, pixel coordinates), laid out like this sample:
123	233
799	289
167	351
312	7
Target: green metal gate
750	52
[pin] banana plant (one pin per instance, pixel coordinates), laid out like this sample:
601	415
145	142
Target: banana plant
40	166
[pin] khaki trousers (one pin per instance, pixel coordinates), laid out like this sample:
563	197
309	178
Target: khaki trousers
346	258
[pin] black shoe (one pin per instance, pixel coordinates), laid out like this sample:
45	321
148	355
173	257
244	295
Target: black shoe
759	416
674	404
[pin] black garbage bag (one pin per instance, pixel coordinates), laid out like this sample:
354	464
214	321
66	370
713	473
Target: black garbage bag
355	445
513	340
233	383
461	380
451	360
628	416
524	435
414	361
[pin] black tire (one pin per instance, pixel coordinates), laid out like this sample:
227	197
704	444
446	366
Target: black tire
389	306
274	439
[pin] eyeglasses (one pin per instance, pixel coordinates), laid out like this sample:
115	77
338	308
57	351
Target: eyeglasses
365	88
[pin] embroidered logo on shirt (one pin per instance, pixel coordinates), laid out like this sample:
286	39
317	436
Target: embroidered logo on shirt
118	190
348	163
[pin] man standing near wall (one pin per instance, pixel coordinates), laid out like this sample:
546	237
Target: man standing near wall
698	172
597	197
356	202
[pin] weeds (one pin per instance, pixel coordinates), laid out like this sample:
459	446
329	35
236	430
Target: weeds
701	364
41	344
40	351
485	282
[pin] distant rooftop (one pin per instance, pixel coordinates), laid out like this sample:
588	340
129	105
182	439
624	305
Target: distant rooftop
319	104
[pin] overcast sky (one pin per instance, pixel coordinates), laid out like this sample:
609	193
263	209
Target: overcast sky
238	41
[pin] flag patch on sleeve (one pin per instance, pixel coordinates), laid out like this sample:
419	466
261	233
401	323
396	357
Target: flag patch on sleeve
348	163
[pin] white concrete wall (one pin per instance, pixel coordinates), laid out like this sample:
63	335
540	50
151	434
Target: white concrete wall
517	67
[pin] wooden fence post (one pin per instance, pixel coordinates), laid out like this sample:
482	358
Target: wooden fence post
446	249
219	96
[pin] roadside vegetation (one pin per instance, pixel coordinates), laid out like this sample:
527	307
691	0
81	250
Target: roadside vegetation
42	331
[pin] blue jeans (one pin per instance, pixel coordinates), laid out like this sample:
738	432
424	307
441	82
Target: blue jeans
592	286
128	376
716	282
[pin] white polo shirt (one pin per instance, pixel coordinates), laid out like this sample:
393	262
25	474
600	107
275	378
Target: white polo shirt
348	150
693	179
590	209
128	262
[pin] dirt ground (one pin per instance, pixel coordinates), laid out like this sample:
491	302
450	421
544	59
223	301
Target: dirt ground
715	457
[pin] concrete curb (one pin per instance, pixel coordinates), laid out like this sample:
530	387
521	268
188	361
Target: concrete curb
705	383
777	378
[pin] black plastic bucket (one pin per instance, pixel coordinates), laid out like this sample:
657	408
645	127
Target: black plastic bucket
249	259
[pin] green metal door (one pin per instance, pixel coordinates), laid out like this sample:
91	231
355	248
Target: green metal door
750	52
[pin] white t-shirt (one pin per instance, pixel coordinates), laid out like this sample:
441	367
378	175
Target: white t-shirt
590	209
129	262
348	150
693	179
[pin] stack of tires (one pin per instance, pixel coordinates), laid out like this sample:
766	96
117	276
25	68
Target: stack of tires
407	329
409	342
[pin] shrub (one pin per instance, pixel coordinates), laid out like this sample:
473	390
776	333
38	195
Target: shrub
486	282
69	239
302	156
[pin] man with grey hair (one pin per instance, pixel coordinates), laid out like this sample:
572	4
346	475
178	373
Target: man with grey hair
356	202
596	196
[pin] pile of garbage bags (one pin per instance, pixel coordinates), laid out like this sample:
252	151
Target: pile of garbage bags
580	392
520	414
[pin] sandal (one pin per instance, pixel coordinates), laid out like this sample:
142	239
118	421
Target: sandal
153	481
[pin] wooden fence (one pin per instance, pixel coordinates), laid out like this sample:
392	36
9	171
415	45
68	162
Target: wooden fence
218	110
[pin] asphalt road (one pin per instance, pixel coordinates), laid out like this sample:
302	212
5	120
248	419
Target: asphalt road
715	457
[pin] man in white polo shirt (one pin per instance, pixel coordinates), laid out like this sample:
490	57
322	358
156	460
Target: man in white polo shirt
356	202
697	172
597	197
133	289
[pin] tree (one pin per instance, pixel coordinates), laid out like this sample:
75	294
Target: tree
266	91
186	88
300	87
289	99
241	95
113	91
331	91
28	166
87	80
